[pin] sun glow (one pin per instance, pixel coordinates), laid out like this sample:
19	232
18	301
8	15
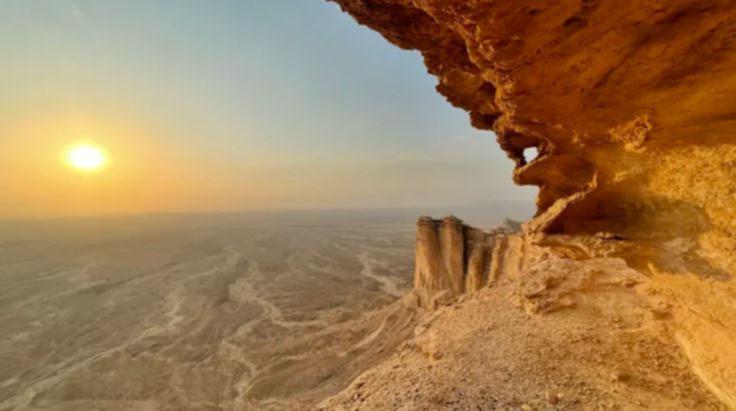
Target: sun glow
86	157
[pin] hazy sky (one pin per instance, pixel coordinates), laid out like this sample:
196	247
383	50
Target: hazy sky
215	105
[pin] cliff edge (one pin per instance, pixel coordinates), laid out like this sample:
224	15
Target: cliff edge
631	107
547	333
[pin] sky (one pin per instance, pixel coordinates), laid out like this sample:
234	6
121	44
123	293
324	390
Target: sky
226	105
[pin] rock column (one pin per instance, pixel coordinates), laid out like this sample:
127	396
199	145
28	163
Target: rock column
429	268
476	253
452	247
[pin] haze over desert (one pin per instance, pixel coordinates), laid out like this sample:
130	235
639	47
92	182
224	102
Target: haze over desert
367	205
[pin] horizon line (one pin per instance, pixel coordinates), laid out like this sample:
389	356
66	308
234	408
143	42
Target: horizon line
275	210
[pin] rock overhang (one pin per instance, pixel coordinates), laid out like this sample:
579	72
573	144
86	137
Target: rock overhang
631	107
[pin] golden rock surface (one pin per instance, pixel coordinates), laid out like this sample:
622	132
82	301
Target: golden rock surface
632	109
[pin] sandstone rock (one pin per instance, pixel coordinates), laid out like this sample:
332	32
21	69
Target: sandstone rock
451	256
429	272
452	250
631	107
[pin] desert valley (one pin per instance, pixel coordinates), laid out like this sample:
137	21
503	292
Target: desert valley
338	289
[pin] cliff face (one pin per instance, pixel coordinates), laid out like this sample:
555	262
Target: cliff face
631	106
454	259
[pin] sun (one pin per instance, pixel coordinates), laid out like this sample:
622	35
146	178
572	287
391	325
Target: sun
86	157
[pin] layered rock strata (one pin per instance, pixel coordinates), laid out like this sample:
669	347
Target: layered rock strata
631	107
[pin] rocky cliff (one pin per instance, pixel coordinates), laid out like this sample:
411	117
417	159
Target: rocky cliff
631	107
452	258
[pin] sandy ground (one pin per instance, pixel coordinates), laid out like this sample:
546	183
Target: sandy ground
565	335
196	313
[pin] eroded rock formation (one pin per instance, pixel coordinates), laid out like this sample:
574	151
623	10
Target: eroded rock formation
631	106
452	258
